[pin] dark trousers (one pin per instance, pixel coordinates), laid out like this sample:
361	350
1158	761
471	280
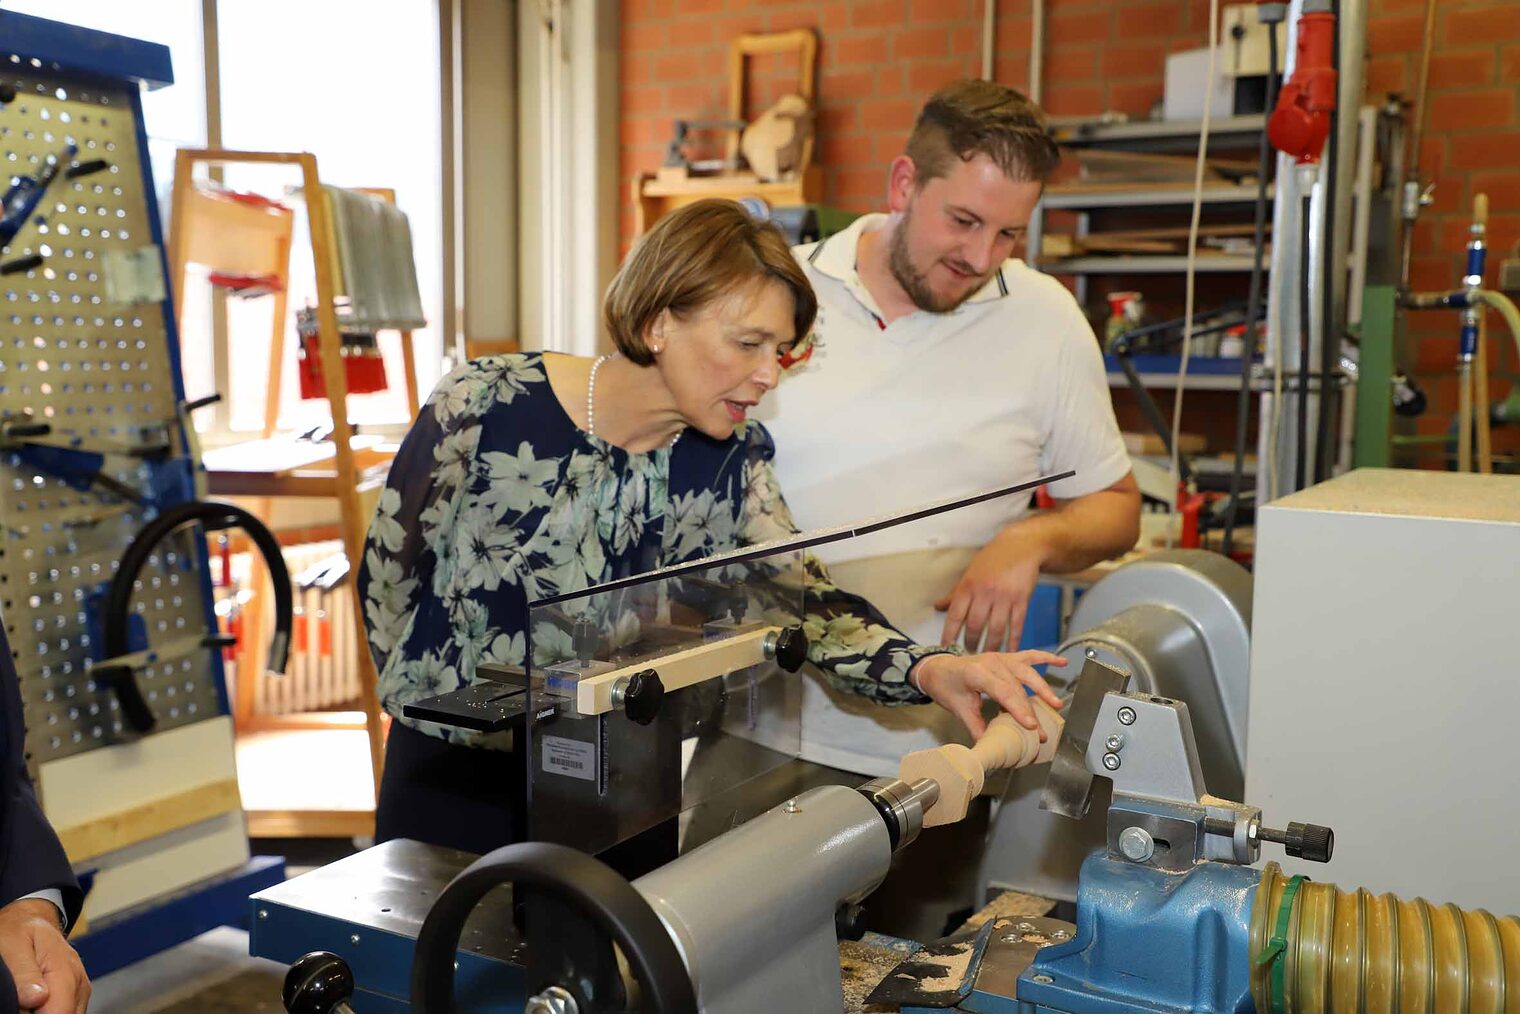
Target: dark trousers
445	794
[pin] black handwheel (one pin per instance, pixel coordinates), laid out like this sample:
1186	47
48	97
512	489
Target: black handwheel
318	983
572	880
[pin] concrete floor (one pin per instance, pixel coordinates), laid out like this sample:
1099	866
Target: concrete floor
212	974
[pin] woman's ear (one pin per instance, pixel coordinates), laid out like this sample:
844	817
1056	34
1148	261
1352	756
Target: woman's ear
656	339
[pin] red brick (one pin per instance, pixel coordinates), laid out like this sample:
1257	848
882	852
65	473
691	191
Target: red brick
1065	28
1462	69
1433	159
1449	196
1146	20
704	99
642	35
856	84
1086	100
861	184
965	39
1472	110
877	14
699	6
1396	33
1487	21
838	118
1437	352
696	32
922	12
643	99
867	49
929	75
885	146
1496	150
786	20
1426	236
1386	74
1135	99
1071	64
891	81
1509	68
912	43
1145	59
887	114
1502	188
641	131
1432	272
837	150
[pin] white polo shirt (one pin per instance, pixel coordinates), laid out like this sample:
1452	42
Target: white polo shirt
882	419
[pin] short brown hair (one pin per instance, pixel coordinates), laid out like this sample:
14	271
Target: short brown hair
970	118
697	253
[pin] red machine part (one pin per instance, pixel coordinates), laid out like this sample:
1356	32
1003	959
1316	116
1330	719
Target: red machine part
1301	122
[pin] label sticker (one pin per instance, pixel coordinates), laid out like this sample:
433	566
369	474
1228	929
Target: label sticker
571	757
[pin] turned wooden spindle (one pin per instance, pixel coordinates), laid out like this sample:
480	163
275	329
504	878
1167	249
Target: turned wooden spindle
961	771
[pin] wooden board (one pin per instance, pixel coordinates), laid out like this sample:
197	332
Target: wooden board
149	820
1135	166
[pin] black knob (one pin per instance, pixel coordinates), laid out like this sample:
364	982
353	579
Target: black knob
642	698
791	648
1313	842
7	92
318	983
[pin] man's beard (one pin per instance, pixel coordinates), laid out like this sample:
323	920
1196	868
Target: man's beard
913	281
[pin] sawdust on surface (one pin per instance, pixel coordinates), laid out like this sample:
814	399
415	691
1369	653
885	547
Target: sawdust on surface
863	966
955	967
1009	905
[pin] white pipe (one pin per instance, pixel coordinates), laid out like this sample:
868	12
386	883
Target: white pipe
1036	50
989	35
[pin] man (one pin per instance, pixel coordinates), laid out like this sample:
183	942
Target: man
39	896
945	367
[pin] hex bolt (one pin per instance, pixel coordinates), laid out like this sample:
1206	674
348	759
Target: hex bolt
1043	980
1111	761
1136	844
1126	716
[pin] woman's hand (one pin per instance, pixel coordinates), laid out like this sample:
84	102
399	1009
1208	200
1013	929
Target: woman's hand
957	683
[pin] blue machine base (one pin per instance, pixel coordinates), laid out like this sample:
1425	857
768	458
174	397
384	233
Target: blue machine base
140	932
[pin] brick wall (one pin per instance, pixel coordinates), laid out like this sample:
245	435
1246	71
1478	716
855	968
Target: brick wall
879	58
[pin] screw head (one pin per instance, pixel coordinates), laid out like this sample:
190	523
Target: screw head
791	806
1136	844
354	939
1092	652
1111	761
1060	935
263	913
1126	716
1043	980
1011	938
1115	742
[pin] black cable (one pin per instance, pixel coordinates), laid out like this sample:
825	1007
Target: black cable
1304	315
1253	301
213	515
1330	334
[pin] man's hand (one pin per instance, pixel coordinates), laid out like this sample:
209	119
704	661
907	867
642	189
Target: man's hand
957	683
993	594
49	975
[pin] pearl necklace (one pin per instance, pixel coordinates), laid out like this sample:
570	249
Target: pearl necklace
591	402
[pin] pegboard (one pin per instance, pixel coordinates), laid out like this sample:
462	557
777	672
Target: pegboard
102	374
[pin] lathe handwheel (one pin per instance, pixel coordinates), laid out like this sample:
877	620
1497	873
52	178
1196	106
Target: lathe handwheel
572	878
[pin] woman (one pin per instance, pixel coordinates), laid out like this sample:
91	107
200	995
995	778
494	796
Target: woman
532	475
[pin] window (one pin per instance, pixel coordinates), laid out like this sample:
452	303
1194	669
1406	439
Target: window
361	92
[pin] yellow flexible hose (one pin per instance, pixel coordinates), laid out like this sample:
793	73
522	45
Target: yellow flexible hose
1358	953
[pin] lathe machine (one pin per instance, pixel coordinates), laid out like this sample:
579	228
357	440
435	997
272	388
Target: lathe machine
658	704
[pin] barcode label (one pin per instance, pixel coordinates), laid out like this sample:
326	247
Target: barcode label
569	757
